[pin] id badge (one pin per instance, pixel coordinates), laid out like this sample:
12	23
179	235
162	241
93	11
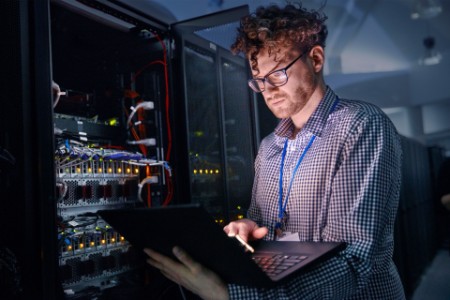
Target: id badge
288	237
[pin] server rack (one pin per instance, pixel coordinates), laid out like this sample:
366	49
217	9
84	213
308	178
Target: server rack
110	140
416	228
117	133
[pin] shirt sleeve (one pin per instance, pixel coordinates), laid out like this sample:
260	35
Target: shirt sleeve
253	211
361	212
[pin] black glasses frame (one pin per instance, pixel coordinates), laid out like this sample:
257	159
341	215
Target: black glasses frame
256	83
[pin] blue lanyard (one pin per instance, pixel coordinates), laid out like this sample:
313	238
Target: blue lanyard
281	206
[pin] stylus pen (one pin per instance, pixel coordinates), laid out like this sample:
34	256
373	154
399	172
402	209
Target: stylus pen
246	245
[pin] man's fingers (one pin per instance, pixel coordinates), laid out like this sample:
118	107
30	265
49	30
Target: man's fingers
188	273
154	259
234	228
186	260
230	230
160	261
260	232
154	255
246	229
168	267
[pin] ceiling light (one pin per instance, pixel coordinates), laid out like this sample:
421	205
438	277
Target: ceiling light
431	56
426	9
431	59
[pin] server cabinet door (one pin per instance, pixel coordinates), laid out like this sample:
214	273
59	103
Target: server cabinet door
238	132
205	141
218	117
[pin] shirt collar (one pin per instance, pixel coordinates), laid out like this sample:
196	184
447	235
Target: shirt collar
315	123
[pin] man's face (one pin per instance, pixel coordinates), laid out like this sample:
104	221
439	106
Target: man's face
287	100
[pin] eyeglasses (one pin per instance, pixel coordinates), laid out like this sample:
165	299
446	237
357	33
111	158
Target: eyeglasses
274	78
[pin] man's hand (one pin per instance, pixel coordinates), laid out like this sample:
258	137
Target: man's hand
246	229
189	273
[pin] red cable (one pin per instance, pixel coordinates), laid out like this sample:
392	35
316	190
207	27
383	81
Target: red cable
169	195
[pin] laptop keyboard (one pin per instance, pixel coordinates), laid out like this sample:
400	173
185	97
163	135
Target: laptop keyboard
277	263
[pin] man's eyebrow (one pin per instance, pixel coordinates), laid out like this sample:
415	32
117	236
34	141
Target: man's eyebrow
275	68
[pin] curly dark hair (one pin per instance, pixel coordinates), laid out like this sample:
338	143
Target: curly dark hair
273	27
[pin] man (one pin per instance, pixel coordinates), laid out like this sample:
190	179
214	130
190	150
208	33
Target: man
329	172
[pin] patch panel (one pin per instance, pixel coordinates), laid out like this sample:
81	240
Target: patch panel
79	168
97	191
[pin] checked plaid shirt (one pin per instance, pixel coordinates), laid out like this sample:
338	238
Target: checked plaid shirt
346	189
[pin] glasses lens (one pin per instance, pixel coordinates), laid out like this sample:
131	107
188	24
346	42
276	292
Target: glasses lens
277	78
256	84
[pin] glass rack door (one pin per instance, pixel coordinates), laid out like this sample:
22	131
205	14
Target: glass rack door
204	133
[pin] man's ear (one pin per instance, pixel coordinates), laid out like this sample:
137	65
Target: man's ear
317	56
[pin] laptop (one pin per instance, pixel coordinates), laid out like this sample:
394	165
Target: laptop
193	229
